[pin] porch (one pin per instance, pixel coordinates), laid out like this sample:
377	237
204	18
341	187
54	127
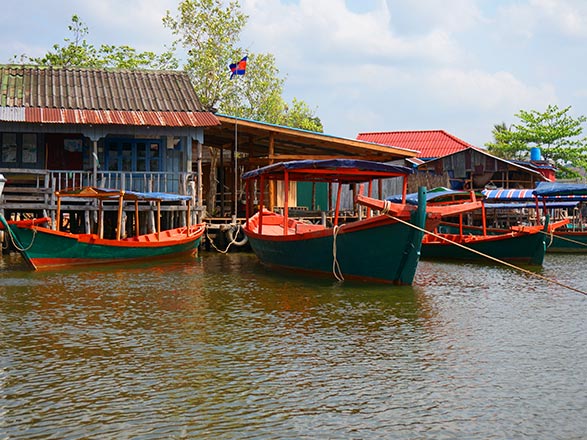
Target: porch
31	192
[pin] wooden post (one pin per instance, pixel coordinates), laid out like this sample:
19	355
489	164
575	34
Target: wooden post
285	203
261	203
137	222
337	208
100	220
58	222
158	218
119	217
271	153
200	182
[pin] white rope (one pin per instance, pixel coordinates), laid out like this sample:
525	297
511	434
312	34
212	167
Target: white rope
335	266
560	237
17	247
234	240
497	260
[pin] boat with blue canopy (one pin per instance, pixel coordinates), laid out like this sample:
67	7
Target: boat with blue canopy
44	247
458	229
382	248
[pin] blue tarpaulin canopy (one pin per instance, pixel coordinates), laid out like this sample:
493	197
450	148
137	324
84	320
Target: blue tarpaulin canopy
107	193
436	195
561	191
509	195
330	170
554	194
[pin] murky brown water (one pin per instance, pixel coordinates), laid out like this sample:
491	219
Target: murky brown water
221	348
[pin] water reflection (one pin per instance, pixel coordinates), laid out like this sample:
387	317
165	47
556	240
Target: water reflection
219	346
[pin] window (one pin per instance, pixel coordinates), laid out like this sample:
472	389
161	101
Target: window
133	155
20	150
29	148
9	148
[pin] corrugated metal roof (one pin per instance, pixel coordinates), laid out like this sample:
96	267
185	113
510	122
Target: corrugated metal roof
94	96
430	143
108	117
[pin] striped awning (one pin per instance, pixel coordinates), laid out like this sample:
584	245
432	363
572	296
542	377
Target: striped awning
512	195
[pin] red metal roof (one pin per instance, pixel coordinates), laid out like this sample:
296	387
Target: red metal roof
430	143
113	117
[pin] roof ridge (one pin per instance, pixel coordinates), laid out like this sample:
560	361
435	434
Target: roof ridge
401	131
96	69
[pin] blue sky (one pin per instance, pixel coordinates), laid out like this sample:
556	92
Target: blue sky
370	65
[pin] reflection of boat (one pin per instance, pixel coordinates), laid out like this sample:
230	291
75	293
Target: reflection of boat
44	247
381	248
451	237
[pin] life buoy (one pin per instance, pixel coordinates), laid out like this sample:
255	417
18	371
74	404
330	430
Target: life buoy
233	233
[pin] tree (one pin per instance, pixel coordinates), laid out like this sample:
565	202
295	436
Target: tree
77	52
210	31
555	132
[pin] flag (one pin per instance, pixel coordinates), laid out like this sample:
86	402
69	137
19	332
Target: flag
238	68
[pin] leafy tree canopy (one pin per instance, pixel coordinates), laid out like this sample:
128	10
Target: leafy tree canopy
210	31
554	131
78	52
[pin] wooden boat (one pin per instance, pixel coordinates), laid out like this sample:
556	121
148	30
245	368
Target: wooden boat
571	238
43	247
378	248
448	236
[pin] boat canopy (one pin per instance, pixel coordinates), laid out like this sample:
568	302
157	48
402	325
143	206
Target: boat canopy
436	195
526	198
90	192
509	195
329	170
566	191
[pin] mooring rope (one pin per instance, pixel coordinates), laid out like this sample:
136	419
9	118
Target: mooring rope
335	266
17	247
551	235
550	280
234	240
14	240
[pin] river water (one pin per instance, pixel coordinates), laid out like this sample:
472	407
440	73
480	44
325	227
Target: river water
220	347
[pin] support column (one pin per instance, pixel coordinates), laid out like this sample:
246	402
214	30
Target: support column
271	202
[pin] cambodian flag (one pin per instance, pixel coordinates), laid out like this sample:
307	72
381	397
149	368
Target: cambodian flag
238	68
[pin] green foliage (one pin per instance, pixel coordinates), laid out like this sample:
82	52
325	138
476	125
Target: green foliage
77	52
555	132
210	31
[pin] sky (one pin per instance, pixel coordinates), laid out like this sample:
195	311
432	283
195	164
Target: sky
368	65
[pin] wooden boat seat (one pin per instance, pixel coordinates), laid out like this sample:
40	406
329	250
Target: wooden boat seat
272	220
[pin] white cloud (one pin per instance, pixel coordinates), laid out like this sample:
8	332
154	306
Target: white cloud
369	65
328	30
486	91
567	18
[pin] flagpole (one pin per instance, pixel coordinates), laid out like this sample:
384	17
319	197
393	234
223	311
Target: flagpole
237	69
235	215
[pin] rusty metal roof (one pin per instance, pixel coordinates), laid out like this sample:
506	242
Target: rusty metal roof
430	143
99	96
267	143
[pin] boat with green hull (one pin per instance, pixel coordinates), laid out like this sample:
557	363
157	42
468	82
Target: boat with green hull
557	200
43	247
449	236
383	248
